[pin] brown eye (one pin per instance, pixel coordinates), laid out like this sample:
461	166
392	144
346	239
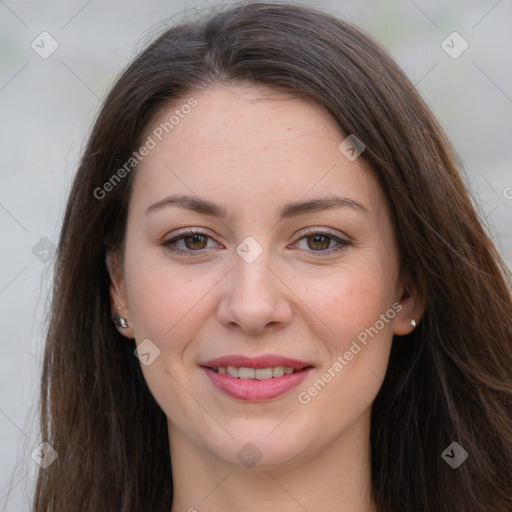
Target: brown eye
190	243
322	243
195	242
319	242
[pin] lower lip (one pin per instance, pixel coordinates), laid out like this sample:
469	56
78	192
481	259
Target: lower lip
256	390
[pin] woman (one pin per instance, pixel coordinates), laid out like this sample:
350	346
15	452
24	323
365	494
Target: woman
272	289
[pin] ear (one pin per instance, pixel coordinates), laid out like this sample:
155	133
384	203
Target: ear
413	305
118	297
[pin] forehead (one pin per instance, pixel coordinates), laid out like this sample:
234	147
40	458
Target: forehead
235	115
247	142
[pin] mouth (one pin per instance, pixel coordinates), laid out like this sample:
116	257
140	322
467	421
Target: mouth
245	373
255	379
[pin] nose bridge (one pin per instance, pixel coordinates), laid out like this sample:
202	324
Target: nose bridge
252	276
253	296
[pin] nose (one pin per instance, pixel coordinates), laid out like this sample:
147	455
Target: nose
255	297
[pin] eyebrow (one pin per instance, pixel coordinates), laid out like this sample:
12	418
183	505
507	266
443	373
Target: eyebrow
288	210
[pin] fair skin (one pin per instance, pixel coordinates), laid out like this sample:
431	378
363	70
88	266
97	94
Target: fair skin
251	151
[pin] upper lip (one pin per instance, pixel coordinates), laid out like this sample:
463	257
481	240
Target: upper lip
263	361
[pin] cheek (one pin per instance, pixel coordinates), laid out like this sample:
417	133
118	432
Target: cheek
358	310
168	306
357	306
351	300
167	303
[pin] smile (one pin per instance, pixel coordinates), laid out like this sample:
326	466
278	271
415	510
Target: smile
244	373
255	379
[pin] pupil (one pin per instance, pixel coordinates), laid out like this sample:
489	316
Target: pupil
196	239
317	240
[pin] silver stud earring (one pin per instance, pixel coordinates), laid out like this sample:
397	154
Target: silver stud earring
413	322
119	321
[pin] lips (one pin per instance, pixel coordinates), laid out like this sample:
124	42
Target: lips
255	379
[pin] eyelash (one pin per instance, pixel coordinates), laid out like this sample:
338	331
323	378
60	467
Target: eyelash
342	244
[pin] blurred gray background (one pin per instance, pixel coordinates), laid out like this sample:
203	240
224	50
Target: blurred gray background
58	60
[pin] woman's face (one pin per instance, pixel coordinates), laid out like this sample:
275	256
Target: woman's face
294	266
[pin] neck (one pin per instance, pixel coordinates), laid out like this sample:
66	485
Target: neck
337	477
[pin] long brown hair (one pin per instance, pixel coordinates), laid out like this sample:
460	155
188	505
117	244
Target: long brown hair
448	381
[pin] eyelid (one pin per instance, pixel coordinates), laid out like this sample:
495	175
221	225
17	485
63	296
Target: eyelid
323	231
188	232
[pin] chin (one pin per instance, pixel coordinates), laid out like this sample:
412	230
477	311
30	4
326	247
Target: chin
262	446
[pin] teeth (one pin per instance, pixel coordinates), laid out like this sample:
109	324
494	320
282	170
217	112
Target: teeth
244	373
278	371
232	371
263	373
